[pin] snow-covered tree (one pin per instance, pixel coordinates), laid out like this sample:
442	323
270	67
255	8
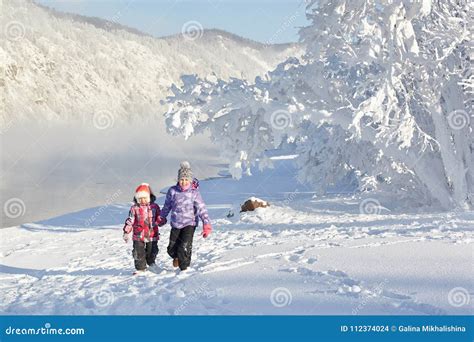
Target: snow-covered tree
383	91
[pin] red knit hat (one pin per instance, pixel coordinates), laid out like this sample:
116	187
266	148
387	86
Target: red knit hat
143	190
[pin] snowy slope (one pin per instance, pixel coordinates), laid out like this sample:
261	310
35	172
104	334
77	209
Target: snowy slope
301	255
59	66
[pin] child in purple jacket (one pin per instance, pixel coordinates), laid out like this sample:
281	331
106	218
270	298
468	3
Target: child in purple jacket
185	203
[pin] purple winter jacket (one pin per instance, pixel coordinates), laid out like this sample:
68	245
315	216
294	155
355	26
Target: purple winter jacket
186	206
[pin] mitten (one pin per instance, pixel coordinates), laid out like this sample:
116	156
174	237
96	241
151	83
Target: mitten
126	237
206	230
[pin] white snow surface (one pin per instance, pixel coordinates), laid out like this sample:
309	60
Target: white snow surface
304	254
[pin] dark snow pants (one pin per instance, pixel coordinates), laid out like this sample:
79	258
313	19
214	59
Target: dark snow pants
181	245
144	253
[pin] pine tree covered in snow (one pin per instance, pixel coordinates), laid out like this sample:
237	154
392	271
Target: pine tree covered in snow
382	92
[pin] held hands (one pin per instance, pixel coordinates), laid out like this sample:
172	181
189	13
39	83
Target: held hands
162	221
206	230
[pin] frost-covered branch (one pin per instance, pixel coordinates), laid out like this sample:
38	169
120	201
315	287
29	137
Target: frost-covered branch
378	79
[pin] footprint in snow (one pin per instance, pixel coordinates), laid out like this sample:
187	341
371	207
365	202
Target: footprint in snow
393	295
353	291
293	258
419	307
164	297
337	273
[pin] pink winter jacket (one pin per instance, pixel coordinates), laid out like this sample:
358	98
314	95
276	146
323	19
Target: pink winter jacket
143	220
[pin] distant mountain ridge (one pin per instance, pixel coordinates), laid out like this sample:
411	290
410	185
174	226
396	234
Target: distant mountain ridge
111	25
60	66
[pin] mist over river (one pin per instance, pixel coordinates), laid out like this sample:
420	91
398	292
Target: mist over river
52	169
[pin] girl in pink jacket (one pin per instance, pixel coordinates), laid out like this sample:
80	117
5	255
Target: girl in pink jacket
142	223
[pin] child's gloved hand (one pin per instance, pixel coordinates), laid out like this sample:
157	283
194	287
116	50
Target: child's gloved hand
162	222
126	237
206	230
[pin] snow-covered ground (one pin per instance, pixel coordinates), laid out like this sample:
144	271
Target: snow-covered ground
304	254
